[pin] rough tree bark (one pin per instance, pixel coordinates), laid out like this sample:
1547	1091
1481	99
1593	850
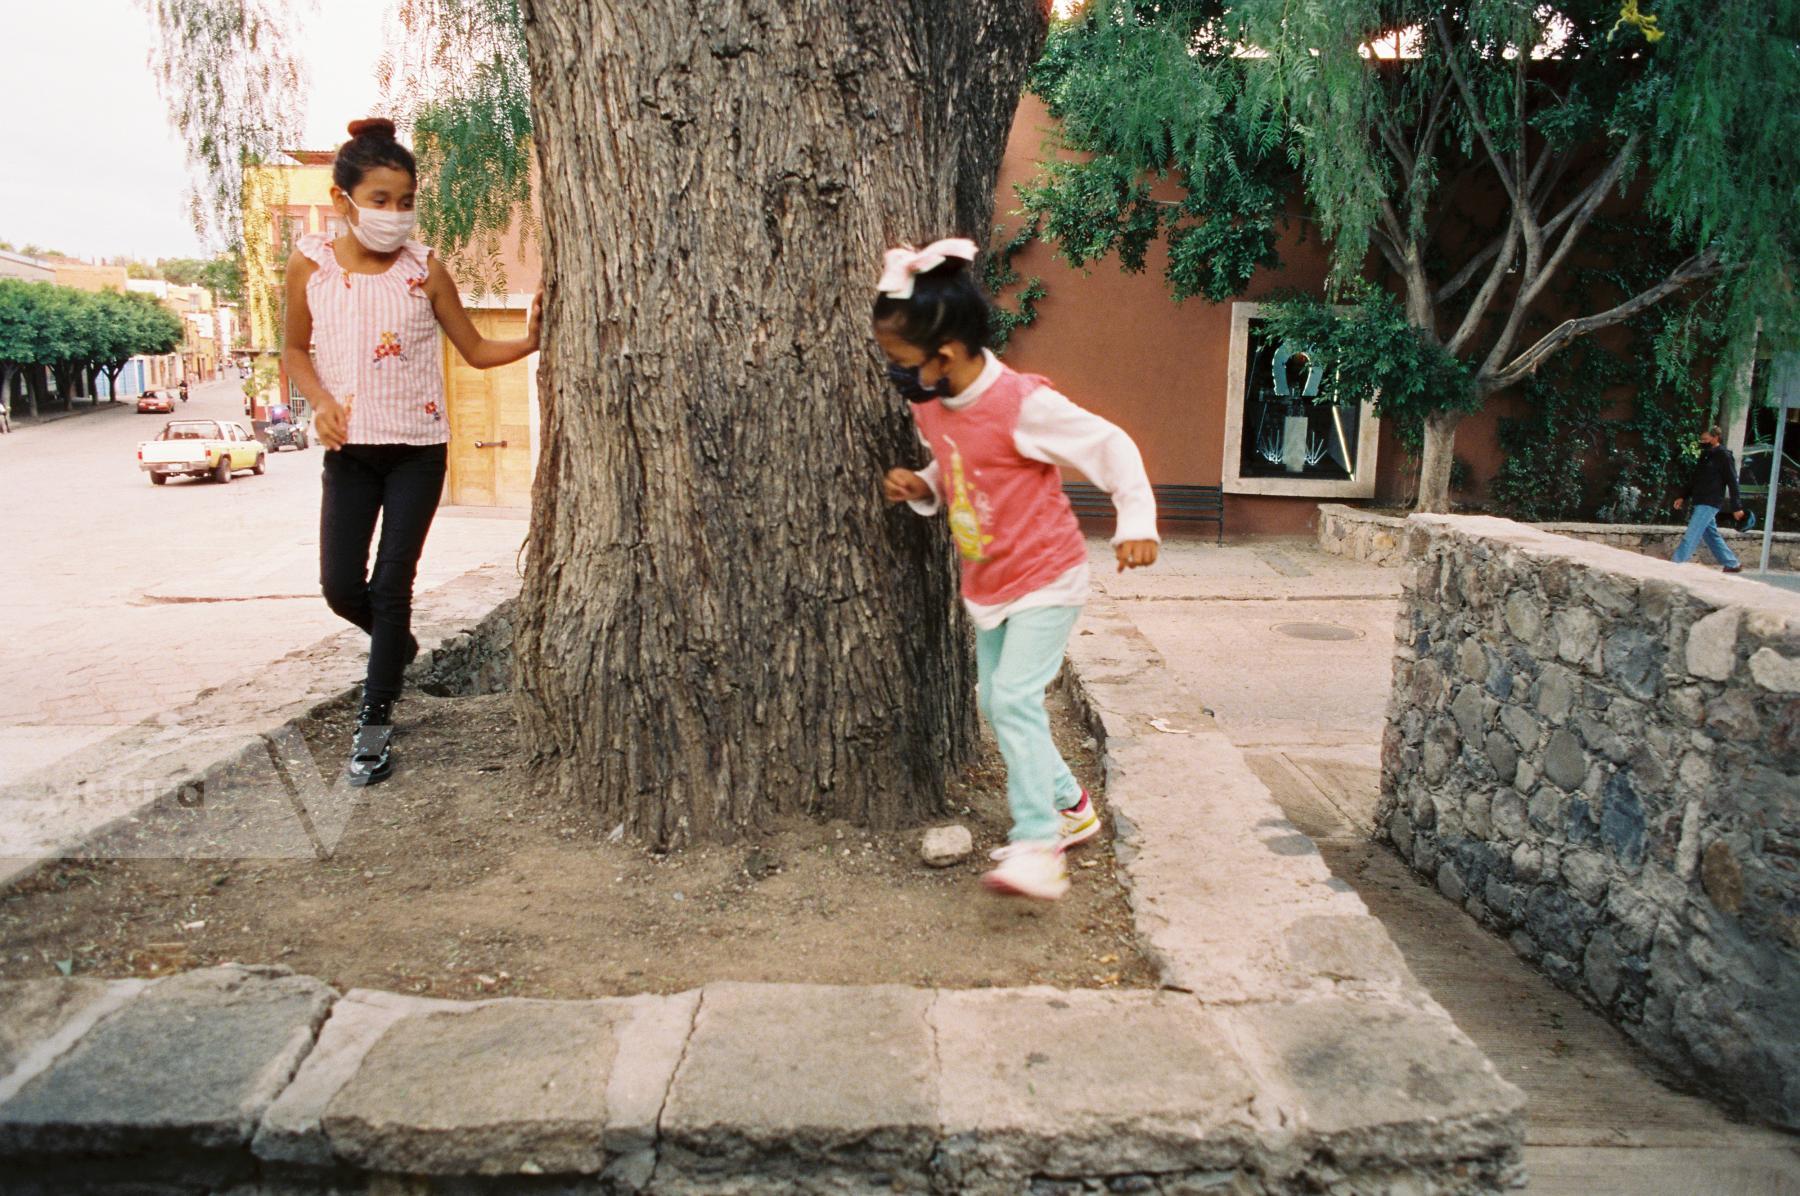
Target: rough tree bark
723	624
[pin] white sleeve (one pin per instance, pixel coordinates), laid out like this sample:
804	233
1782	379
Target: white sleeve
928	506
1054	430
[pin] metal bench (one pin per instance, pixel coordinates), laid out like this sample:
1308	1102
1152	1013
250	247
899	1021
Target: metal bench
1174	504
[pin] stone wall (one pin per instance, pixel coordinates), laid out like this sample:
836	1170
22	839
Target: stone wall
1598	754
1361	535
476	661
1376	538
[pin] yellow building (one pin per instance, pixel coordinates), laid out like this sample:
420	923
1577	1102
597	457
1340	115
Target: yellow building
493	413
86	276
283	201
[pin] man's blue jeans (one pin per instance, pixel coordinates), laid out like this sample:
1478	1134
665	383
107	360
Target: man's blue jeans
1703	525
1015	662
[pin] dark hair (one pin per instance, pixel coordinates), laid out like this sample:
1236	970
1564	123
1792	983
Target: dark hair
946	305
371	144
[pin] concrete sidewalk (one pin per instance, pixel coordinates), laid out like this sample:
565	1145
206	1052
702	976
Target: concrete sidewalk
121	600
1291	649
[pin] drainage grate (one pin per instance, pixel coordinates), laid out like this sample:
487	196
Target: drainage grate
1318	631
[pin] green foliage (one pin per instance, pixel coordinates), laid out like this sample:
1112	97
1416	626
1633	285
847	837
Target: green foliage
223	274
60	327
1148	103
458	77
998	273
264	374
1566	458
1376	355
30	249
234	89
1192	123
1724	106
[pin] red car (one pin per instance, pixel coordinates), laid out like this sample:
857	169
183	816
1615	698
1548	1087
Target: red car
154	402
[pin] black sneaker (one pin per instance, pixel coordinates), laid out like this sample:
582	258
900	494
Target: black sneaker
371	755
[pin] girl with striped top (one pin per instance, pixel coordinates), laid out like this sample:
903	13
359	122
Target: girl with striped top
363	315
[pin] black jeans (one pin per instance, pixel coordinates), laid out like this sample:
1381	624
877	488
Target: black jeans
402	484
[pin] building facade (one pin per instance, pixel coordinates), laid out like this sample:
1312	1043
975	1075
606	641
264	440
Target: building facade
27	269
493	414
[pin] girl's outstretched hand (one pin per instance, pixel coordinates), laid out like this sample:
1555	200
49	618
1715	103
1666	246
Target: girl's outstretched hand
903	485
1135	554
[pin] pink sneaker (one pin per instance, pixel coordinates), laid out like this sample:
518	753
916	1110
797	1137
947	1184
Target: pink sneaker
1029	870
1080	822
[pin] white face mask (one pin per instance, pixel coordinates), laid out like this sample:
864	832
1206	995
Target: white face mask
382	231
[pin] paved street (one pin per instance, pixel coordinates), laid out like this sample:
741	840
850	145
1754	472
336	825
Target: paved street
1292	650
120	599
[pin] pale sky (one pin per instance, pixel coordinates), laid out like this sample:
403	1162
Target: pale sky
91	165
88	162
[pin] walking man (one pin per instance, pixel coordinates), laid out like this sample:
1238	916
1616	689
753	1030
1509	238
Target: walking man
1714	483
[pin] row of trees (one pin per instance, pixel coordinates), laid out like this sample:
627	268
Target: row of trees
222	274
76	336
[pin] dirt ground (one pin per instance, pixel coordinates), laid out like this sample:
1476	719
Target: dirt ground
456	878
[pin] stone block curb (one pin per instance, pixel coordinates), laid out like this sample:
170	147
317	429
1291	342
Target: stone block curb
1291	1050
181	1069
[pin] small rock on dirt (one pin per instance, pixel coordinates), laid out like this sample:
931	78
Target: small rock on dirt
945	845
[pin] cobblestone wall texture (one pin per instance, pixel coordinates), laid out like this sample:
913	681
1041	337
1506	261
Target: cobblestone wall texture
1598	754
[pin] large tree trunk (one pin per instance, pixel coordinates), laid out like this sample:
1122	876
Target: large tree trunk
723	624
1434	463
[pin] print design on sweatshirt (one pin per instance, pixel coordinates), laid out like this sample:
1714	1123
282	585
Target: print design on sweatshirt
967	505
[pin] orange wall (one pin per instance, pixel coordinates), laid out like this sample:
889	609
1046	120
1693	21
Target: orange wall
1119	345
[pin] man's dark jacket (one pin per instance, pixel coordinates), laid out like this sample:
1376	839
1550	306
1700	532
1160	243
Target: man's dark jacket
1715	480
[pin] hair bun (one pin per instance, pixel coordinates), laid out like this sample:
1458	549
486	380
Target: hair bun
377	127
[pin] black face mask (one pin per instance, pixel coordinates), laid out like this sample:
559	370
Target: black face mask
906	381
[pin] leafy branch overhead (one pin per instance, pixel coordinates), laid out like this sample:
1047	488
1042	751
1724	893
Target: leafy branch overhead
1456	156
456	76
235	91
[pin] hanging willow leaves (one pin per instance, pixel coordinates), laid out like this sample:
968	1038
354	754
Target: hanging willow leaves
456	79
235	91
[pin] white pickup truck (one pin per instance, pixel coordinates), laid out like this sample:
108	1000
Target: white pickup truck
199	448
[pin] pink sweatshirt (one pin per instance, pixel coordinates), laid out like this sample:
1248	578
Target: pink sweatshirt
997	448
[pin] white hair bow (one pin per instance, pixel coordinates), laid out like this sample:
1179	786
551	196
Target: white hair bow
906	262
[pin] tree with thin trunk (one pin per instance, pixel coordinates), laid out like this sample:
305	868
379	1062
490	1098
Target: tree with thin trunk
1457	156
723	624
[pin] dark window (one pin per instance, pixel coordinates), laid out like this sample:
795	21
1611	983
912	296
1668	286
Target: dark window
1288	432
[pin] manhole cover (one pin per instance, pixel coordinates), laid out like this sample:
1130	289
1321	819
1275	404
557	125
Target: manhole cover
1318	631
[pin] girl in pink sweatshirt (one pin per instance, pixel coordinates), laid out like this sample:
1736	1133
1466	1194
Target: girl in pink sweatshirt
998	440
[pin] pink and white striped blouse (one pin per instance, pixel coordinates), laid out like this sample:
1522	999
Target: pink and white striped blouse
375	344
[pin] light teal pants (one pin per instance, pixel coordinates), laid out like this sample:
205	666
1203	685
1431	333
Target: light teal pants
1015	662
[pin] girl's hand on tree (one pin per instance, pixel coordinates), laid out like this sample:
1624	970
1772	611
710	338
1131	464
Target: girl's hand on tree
1135	554
903	485
332	423
535	320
